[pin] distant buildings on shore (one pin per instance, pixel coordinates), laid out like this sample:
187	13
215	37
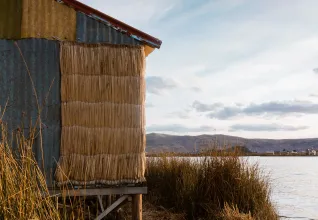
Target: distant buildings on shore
308	152
312	152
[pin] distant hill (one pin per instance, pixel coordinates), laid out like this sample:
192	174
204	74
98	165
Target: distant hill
171	143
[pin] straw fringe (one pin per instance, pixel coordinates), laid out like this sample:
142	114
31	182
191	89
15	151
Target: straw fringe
103	114
104	168
102	60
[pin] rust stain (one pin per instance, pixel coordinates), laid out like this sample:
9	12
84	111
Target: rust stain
48	19
10	19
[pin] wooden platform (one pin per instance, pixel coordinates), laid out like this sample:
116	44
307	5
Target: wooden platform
122	193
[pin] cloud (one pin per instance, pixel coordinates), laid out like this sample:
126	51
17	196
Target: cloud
313	95
280	108
315	70
273	108
225	113
149	105
135	13
180	114
265	127
177	128
195	89
158	85
201	107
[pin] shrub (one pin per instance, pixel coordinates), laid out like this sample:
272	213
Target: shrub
202	187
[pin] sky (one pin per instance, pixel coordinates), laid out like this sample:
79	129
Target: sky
245	68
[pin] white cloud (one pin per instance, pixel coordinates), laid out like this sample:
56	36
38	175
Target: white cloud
265	127
177	128
272	108
159	85
138	13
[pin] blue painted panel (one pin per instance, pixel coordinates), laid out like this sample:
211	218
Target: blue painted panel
42	61
90	30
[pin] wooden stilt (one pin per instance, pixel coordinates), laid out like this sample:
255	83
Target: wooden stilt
137	207
108	200
117	217
120	194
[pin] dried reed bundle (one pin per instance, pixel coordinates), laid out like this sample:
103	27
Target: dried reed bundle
129	89
90	141
103	114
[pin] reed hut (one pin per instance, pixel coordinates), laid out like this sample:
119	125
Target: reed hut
83	72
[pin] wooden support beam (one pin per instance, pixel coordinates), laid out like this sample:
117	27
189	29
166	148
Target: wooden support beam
112	207
137	207
99	191
100	200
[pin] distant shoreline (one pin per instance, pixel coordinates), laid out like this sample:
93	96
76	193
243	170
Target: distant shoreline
207	155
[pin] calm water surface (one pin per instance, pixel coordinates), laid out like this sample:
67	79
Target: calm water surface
294	185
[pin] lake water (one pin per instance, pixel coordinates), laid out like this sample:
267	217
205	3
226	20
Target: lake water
294	185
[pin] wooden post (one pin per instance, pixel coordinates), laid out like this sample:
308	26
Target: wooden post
108	201
137	207
117	217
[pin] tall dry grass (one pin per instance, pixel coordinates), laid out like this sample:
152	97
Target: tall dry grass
202	188
23	191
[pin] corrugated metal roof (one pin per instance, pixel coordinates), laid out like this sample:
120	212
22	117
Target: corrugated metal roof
90	30
10	19
116	24
48	19
42	58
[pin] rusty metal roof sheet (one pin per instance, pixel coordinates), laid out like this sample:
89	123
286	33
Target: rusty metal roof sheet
131	31
90	30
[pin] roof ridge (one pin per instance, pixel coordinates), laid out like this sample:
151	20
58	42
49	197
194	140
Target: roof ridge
119	25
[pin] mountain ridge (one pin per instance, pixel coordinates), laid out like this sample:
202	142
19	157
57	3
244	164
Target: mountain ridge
158	142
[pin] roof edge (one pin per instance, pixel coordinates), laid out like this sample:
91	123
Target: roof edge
133	32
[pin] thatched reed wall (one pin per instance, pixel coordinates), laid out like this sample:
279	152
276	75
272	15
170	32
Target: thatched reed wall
103	111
